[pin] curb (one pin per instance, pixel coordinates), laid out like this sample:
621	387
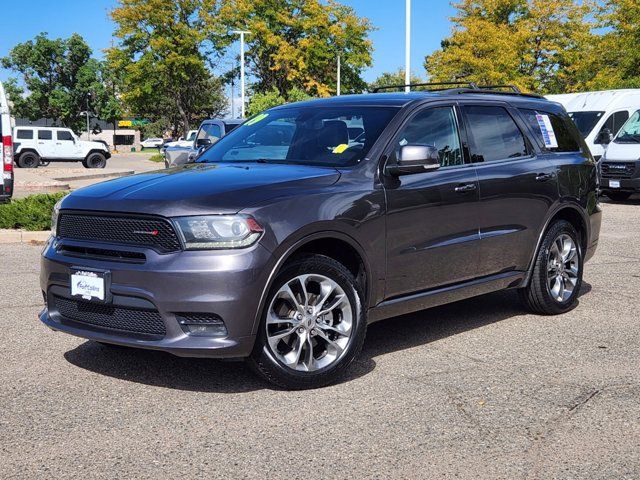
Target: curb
24	236
42	187
95	175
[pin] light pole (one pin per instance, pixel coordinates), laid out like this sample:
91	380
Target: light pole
338	86
407	52
242	33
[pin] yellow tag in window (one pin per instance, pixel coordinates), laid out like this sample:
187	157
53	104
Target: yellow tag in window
340	148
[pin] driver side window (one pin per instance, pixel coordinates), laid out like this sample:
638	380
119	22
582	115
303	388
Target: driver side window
436	127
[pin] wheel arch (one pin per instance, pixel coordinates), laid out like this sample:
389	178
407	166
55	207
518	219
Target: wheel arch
337	245
95	150
572	213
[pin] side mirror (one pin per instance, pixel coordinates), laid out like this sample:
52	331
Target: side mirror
203	142
415	159
604	137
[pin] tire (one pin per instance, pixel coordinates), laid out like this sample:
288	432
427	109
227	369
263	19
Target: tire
29	160
328	343
618	196
95	160
556	279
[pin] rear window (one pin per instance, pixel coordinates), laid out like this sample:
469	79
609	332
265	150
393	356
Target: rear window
564	139
494	134
24	134
230	126
44	135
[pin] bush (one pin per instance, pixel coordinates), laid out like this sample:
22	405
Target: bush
31	213
157	157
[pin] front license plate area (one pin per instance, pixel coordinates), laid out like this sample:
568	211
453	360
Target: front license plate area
90	284
614	183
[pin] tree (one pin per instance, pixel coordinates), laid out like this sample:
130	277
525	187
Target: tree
263	101
58	76
296	43
535	44
162	54
389	79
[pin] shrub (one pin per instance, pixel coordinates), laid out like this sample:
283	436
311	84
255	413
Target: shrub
31	213
157	157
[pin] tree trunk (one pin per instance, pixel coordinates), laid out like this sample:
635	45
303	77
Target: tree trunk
185	118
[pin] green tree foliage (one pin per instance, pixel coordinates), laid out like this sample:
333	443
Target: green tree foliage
162	54
57	78
295	43
389	79
263	101
538	45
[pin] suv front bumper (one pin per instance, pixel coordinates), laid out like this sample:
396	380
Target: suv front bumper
227	284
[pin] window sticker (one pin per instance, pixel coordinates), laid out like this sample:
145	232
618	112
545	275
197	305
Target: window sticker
548	135
256	119
340	148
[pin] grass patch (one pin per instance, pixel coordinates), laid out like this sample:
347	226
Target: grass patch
31	213
157	158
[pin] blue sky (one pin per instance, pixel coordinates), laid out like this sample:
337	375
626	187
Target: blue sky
21	21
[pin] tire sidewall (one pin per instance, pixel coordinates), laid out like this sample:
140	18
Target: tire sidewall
265	360
562	227
34	160
91	161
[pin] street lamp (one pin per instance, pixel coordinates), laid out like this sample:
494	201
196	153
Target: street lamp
407	52
242	33
338	86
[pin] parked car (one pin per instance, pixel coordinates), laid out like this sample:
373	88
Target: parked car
152	143
599	115
619	168
182	141
36	144
210	131
281	248
7	148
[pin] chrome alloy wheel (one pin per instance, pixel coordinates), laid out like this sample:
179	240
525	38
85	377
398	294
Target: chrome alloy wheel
562	268
309	323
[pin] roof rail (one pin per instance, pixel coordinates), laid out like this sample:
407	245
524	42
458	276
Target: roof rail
469	85
496	87
486	91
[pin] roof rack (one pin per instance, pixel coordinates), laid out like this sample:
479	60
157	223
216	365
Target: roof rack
469	85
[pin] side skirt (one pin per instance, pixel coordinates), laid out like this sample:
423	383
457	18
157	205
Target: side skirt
443	295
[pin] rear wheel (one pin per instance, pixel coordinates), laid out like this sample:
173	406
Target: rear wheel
95	160
618	196
29	160
557	273
313	325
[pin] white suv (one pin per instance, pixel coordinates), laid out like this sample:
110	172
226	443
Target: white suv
36	145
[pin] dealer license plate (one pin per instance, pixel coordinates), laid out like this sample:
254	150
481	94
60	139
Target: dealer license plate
88	285
614	183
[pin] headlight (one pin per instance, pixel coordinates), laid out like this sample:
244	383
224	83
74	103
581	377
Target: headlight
219	231
54	217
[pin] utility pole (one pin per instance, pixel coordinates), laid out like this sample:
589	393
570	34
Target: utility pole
407	52
242	33
338	87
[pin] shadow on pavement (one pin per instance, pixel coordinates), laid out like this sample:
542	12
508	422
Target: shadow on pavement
206	375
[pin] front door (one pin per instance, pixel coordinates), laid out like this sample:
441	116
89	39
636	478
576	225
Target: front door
432	217
66	146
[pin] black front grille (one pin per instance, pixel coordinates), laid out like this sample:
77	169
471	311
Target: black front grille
115	318
152	232
102	254
617	169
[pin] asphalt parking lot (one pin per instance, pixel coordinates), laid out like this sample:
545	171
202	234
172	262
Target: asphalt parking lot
477	389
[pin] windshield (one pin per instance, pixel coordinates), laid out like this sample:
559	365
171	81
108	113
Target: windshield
585	121
192	135
304	135
630	131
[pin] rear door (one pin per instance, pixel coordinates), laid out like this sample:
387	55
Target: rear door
518	185
46	143
432	217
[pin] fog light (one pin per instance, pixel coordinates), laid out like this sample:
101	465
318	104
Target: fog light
202	324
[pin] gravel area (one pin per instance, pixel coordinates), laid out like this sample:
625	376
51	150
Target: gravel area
476	389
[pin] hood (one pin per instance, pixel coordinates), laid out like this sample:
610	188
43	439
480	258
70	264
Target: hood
196	189
623	152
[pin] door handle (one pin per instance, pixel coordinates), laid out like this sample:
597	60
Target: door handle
544	177
467	187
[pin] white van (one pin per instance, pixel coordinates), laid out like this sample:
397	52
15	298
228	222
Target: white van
6	155
599	115
619	168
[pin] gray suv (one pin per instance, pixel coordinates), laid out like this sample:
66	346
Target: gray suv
288	236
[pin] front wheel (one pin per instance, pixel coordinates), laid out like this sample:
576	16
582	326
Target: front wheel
557	273
313	325
95	160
